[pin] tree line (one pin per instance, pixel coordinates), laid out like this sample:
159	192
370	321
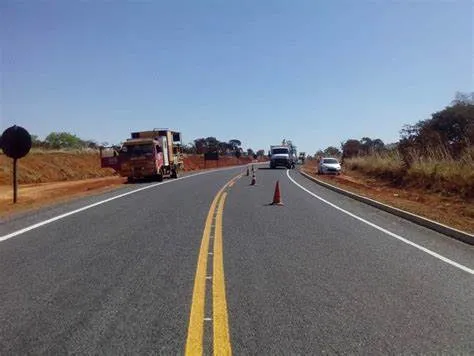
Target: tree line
448	133
66	140
354	147
211	144
62	140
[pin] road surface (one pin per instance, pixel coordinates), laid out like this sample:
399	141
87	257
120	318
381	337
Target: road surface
204	264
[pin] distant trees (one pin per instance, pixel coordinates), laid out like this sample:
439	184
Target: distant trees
58	140
66	140
351	148
449	133
235	144
332	152
319	153
364	146
62	140
211	144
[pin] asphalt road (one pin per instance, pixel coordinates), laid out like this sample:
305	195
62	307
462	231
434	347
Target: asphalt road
119	277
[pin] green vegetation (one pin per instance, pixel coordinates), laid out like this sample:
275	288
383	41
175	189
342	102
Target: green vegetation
65	141
212	144
62	141
436	154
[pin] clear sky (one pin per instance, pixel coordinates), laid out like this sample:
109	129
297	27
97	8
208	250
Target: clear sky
317	72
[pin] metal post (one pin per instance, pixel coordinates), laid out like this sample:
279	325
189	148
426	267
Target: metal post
15	188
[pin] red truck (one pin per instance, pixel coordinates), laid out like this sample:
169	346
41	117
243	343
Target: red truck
146	154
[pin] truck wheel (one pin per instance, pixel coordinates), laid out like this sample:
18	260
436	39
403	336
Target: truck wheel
159	177
174	173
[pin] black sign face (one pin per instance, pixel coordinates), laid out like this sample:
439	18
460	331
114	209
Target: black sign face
16	142
176	137
211	156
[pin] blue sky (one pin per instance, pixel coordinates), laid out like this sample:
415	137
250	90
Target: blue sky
315	72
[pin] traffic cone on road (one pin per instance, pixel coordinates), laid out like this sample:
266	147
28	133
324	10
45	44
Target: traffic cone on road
254	180
276	195
253	170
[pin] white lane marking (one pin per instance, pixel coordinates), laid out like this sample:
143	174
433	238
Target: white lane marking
408	242
207	319
62	216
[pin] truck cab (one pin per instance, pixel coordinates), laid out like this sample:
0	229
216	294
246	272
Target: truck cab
280	156
147	154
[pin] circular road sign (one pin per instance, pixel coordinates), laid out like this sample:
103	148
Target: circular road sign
16	142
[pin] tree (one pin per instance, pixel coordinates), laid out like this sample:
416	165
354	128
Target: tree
261	153
448	132
319	153
212	144
91	144
463	98
366	145
350	148
235	144
378	145
223	147
369	146
35	141
200	145
63	140
332	151
189	148
250	152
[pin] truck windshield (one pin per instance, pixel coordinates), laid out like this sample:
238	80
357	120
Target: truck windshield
279	151
137	150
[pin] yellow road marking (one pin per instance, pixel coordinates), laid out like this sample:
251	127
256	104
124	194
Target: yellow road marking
220	317
196	327
194	341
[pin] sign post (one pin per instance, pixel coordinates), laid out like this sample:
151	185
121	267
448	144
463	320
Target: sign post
211	156
15	186
16	143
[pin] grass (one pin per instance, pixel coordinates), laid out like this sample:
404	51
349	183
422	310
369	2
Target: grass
437	172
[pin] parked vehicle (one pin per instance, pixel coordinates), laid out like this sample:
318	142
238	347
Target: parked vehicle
329	165
147	154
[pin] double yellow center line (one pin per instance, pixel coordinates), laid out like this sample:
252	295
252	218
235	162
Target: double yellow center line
221	337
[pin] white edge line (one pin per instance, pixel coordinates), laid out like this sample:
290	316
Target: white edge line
408	242
385	205
62	216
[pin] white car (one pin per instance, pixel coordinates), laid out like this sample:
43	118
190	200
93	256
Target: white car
329	166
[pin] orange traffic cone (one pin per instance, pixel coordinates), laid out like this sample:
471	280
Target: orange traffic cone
254	180
276	195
